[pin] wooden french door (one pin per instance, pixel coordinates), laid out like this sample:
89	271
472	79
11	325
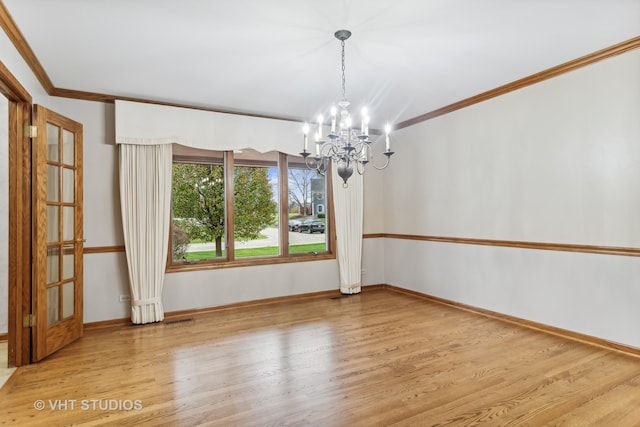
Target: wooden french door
57	232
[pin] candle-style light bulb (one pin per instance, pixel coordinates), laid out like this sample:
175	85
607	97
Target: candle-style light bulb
317	144
387	130
305	130
364	119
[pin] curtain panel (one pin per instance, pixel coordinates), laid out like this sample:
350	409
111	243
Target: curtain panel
348	203
145	198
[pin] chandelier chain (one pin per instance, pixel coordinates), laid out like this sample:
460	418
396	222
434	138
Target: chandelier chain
344	80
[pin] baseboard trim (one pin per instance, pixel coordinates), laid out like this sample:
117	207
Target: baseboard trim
563	333
173	315
4	337
180	314
106	324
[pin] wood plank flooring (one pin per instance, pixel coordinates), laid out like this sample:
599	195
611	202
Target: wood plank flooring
5	372
380	358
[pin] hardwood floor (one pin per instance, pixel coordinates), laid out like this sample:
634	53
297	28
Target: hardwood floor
5	372
380	358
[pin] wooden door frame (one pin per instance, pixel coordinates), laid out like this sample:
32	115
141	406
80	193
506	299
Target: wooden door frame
19	244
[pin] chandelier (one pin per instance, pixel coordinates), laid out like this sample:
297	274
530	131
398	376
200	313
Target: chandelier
348	146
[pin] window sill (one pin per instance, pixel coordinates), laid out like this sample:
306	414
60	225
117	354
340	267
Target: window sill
248	262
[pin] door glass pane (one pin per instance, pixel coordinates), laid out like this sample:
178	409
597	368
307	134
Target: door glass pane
53	265
67	222
53	187
68	143
52	223
68	185
52	142
67	262
67	300
52	305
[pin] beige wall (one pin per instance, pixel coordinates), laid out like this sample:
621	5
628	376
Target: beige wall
555	162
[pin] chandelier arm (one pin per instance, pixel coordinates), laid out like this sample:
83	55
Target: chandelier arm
310	165
388	155
319	164
335	152
326	149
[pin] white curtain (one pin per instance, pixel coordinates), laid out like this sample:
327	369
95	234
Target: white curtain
348	203
145	133
145	196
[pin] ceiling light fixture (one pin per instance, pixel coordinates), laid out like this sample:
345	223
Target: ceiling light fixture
348	146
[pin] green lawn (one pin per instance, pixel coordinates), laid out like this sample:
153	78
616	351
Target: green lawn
257	252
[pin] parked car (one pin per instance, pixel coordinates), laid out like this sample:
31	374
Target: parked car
294	224
311	226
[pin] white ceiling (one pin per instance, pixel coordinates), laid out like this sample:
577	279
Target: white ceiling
280	58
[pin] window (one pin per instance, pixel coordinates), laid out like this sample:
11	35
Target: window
307	192
256	226
246	208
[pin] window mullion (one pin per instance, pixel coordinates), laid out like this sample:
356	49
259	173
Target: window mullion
230	203
284	204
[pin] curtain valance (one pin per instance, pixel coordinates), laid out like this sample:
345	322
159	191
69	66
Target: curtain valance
151	124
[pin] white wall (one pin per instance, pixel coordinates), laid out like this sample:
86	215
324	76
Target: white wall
374	195
554	162
4	215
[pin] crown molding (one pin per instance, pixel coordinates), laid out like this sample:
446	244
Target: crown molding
110	99
541	76
17	38
20	43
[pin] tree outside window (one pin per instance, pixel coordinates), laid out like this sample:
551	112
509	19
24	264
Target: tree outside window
203	222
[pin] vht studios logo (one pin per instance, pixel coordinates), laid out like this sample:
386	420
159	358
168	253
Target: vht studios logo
88	405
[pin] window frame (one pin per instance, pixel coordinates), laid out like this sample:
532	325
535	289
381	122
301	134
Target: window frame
230	261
